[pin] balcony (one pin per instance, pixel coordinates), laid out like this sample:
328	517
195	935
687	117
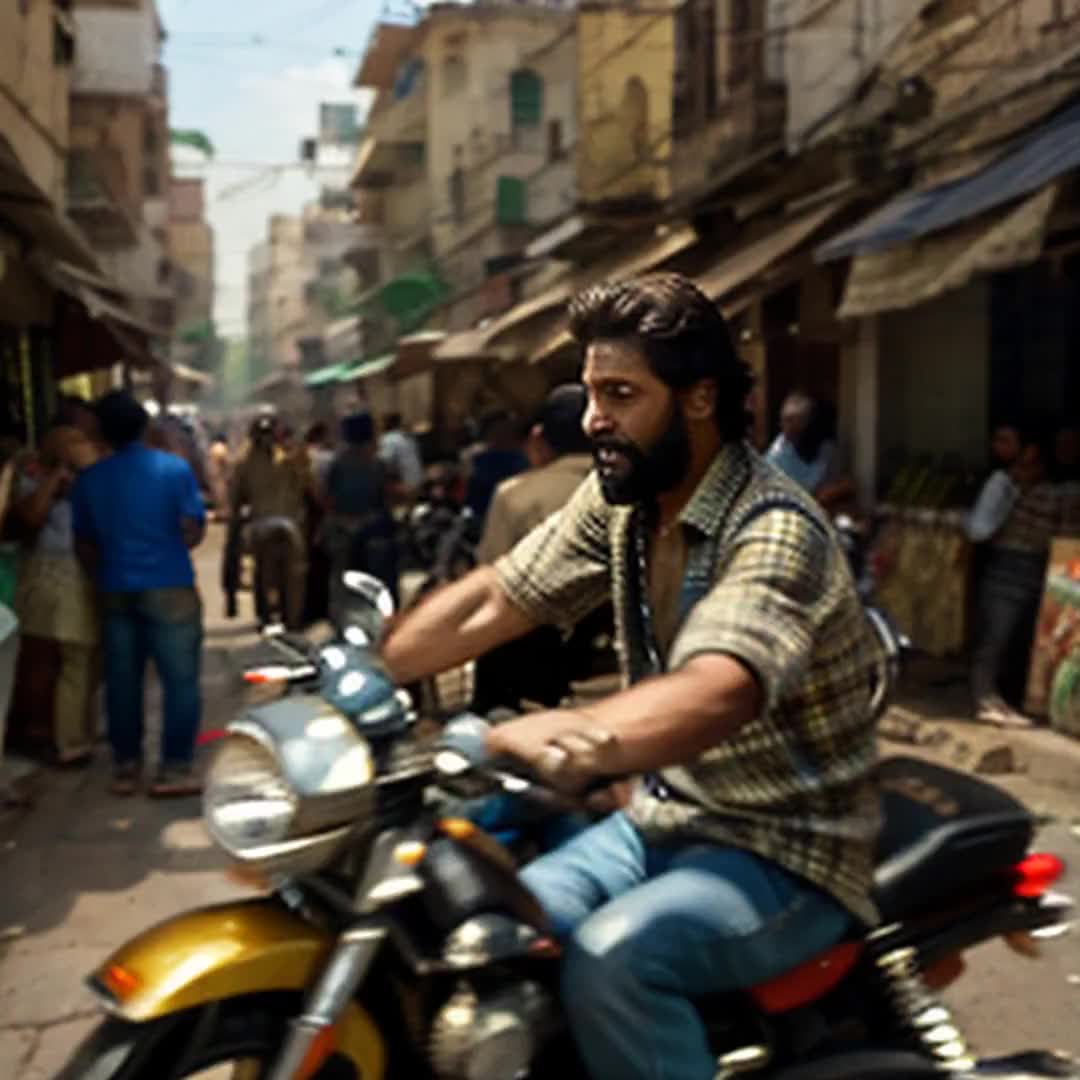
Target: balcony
400	120
95	197
751	117
396	136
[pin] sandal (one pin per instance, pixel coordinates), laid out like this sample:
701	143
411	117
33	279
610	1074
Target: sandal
997	713
125	780
175	782
73	759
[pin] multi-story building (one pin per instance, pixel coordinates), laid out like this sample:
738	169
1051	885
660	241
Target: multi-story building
61	314
468	149
191	249
117	188
258	311
196	351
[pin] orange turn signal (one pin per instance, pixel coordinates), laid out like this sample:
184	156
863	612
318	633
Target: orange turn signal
120	982
457	828
410	853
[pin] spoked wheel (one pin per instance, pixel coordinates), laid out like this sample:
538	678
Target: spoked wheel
231	1041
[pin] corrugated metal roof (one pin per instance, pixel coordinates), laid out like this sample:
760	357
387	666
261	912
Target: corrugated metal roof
1052	151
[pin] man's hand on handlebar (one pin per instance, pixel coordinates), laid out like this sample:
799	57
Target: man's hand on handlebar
567	750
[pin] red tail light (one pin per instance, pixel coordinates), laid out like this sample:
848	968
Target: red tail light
1035	874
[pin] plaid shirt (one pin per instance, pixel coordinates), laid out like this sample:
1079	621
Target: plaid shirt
766	583
1038	516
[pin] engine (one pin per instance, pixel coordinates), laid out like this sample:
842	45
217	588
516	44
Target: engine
489	1036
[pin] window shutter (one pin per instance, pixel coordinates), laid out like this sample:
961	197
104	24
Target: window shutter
510	201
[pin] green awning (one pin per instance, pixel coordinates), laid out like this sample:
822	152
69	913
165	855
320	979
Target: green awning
410	298
364	369
322	376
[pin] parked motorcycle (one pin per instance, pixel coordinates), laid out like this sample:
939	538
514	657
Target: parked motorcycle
389	942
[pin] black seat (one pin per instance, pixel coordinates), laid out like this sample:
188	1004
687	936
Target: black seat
945	834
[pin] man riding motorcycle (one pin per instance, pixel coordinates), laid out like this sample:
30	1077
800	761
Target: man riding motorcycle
746	846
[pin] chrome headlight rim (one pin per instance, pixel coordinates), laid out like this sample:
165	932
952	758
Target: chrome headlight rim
215	788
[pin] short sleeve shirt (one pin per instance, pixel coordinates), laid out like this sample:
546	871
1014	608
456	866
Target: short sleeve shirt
130	506
772	589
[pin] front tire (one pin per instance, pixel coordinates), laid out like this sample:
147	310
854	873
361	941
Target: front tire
246	1033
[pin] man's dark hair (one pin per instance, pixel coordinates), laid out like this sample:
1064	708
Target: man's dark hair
392	421
317	433
262	425
560	419
123	420
358	429
682	333
68	407
494	423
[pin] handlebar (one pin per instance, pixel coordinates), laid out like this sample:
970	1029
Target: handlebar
462	753
301	654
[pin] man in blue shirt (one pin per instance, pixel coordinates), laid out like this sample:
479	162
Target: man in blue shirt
136	515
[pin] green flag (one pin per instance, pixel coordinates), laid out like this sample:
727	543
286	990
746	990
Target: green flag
196	139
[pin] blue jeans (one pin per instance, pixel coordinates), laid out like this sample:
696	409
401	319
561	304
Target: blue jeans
509	818
649	927
165	625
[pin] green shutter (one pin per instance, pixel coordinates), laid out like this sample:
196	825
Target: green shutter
526	99
510	201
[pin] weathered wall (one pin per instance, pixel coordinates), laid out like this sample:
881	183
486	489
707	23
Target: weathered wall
34	94
626	67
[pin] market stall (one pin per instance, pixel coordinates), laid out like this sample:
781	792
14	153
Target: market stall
922	559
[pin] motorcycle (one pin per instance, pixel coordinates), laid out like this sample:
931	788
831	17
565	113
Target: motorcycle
390	942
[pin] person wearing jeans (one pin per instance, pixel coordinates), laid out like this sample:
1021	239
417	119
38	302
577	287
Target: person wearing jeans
737	767
136	515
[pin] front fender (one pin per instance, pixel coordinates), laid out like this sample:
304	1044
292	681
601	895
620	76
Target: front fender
228	951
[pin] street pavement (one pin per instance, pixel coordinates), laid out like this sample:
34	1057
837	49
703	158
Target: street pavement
83	871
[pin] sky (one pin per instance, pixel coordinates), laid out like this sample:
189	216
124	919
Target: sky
250	74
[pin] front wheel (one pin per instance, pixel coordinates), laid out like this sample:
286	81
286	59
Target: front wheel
234	1040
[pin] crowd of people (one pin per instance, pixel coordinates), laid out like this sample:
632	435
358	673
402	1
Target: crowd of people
105	511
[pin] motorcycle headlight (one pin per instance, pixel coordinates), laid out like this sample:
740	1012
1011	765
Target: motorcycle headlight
288	785
247	801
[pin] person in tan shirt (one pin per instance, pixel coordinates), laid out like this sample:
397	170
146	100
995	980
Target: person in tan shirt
273	482
561	454
541	666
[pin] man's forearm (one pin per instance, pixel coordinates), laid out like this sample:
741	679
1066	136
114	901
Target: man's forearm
457	623
664	721
673	718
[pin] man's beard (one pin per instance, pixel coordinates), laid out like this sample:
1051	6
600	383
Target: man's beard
629	475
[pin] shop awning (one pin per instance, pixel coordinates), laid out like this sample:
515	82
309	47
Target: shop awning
341	339
1039	159
282	377
466	345
323	376
524	319
727	275
102	298
191	375
735	270
416	352
30	212
365	369
901	277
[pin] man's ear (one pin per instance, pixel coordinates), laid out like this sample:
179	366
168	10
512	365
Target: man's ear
699	400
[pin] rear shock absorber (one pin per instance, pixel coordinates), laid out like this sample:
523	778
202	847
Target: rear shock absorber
925	1016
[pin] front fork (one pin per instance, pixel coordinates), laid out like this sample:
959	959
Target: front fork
310	1040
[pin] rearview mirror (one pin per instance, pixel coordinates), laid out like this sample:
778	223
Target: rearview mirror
366	609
